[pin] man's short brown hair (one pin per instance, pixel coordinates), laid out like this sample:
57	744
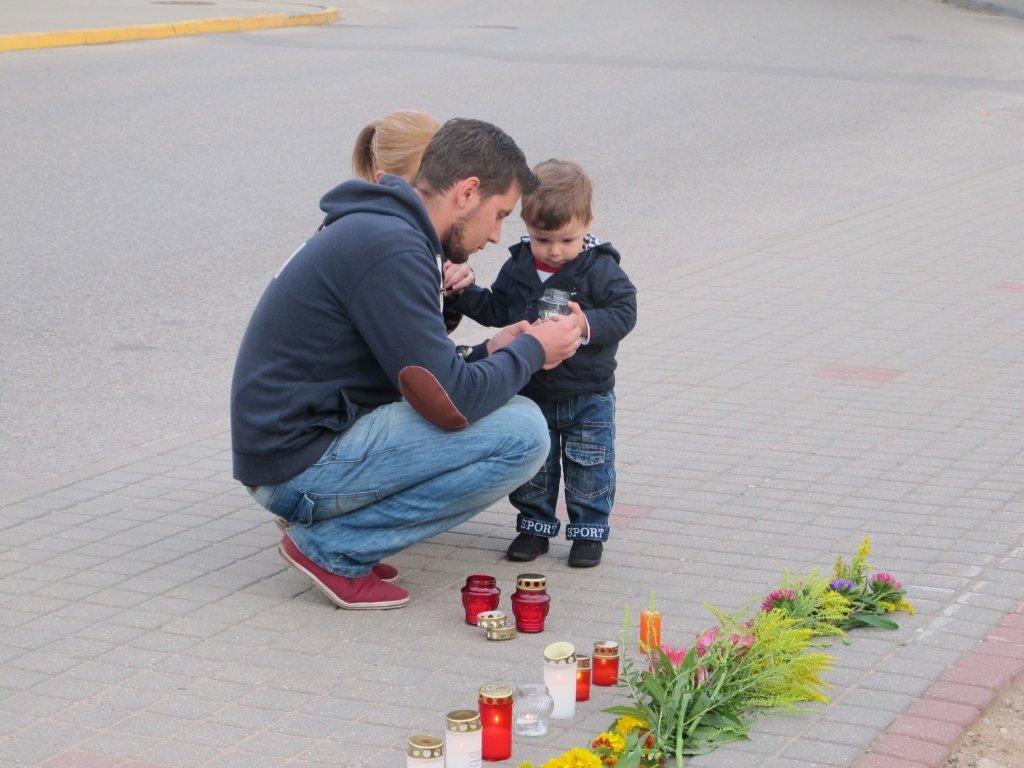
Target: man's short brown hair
565	193
464	148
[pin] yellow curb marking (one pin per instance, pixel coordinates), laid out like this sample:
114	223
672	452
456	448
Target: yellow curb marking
153	31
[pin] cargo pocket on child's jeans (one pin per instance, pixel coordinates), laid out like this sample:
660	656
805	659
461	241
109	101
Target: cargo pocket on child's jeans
586	475
315	507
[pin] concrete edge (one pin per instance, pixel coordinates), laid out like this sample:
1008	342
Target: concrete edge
996	9
931	728
19	493
36	40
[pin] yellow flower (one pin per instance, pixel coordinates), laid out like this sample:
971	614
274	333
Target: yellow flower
627	725
575	758
525	765
613	741
864	549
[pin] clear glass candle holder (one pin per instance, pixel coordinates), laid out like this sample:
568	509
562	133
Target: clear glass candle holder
531	710
553	302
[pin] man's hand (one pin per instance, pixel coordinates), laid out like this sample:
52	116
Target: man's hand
560	337
505	336
457	277
581	319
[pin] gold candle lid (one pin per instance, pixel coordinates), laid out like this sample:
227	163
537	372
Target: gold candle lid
531	582
425	747
495	694
507	632
583	661
491	619
560	653
462	720
606	649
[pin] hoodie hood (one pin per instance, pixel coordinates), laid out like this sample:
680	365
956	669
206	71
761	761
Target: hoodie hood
392	196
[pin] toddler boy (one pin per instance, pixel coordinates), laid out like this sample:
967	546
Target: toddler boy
577	397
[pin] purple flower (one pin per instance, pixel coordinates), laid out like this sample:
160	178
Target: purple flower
842	584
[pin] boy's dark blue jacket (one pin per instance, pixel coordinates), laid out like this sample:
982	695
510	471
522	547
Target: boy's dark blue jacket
358	302
596	282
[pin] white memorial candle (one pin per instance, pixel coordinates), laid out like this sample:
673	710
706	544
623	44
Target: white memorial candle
463	739
560	678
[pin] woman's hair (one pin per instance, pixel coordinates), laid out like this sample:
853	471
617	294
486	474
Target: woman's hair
394	144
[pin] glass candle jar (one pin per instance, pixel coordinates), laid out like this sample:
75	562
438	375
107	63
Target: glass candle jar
553	302
531	709
463	741
496	718
531	602
606	662
480	594
560	678
425	751
582	677
650	631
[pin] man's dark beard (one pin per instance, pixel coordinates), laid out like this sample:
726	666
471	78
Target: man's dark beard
451	242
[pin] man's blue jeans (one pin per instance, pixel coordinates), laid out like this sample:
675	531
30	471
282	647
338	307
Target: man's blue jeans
582	432
394	479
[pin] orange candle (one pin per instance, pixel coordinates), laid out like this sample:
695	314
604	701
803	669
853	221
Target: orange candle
650	631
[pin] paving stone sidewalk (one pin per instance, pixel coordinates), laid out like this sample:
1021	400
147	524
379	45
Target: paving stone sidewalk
861	377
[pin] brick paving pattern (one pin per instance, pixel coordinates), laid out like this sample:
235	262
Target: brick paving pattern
148	621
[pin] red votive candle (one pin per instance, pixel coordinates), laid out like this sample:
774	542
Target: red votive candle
496	718
480	594
606	662
582	677
531	602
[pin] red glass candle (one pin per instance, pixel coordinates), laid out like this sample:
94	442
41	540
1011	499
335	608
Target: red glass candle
496	718
606	662
480	594
531	602
582	677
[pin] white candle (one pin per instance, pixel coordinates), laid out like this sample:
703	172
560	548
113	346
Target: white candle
463	739
560	678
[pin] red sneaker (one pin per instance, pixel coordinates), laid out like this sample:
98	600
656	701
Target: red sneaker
384	571
367	593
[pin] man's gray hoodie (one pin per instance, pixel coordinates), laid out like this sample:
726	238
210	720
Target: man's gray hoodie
356	304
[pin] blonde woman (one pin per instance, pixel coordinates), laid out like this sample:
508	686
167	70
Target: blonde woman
393	145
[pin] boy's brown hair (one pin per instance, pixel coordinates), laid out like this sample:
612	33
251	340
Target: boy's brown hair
565	193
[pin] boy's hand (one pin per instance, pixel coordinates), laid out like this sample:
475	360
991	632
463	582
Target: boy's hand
581	320
457	277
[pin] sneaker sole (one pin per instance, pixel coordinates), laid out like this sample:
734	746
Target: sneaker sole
584	563
385	605
283	528
521	558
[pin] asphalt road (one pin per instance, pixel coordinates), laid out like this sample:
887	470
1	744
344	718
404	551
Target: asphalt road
149	190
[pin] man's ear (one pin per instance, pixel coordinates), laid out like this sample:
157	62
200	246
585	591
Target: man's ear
467	192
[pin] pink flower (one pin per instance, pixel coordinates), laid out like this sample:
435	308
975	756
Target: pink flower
675	657
701	676
741	643
705	641
888	578
777	598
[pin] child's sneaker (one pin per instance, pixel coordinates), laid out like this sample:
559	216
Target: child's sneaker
585	554
527	547
365	593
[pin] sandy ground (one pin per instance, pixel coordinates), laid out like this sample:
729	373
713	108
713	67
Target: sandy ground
997	740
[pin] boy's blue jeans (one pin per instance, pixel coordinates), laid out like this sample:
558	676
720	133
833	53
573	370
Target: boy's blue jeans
582	430
394	479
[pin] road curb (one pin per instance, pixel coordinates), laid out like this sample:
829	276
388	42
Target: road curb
996	9
35	40
926	734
